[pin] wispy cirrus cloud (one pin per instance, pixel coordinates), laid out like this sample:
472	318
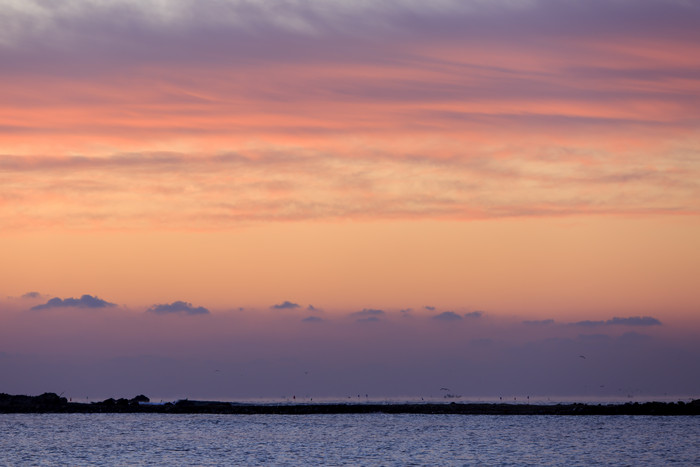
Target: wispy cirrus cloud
154	23
285	111
221	191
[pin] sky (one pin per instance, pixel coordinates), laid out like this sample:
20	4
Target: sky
259	199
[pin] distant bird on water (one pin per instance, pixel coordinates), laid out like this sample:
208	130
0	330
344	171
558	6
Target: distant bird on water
444	389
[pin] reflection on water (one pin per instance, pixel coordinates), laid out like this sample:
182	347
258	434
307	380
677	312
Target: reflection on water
156	439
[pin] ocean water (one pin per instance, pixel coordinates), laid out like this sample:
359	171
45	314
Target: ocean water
354	439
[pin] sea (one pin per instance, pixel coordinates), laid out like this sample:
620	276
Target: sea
347	439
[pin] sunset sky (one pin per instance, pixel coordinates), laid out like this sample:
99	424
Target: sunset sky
235	199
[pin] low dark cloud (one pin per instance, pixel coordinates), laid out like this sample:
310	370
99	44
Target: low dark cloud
178	307
588	323
538	322
311	308
474	314
635	321
368	312
31	295
286	305
629	321
312	319
448	316
86	301
429	308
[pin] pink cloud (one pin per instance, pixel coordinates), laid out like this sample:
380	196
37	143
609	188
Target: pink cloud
422	113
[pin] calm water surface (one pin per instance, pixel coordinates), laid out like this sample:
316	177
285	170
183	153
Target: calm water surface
356	439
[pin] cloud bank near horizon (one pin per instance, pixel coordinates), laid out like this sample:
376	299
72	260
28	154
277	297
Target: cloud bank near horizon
87	301
263	353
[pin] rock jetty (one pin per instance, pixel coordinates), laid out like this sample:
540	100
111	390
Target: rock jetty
53	403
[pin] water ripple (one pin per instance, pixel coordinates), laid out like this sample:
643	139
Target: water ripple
343	439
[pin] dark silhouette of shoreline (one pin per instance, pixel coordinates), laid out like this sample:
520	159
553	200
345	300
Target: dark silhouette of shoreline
53	403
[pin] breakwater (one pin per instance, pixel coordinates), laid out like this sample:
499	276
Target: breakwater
53	403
